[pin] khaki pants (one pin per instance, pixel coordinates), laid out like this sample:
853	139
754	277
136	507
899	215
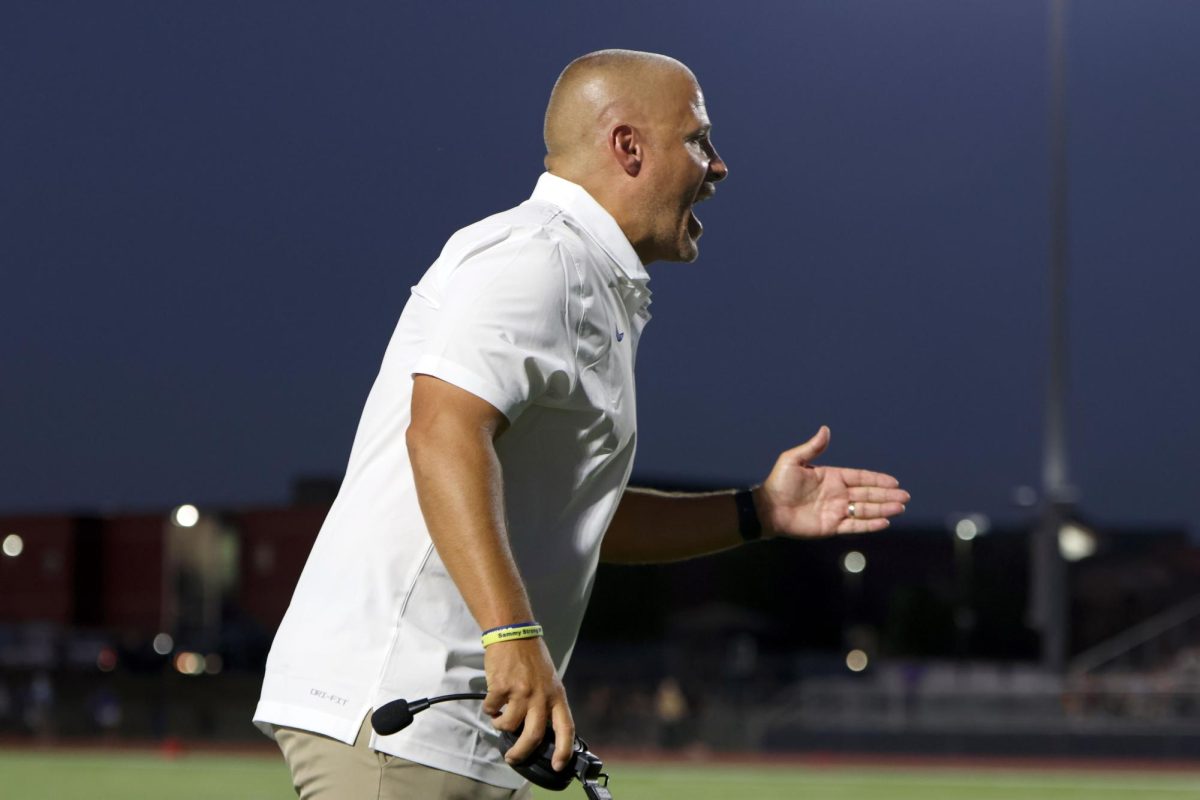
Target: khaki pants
326	769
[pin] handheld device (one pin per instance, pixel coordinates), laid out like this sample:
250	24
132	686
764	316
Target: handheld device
537	768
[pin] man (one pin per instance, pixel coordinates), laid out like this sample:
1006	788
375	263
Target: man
489	472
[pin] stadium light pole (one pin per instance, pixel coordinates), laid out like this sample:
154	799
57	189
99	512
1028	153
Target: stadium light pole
964	531
1050	597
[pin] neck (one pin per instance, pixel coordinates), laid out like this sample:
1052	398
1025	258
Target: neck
620	207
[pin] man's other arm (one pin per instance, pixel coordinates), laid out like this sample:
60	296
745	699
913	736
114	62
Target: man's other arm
797	499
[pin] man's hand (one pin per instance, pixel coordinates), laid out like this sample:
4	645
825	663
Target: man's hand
523	687
801	500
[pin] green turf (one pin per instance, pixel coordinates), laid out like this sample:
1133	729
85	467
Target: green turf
118	775
127	776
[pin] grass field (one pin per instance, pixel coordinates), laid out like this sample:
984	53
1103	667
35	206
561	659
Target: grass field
127	776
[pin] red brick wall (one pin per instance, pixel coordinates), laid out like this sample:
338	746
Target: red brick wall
38	585
133	572
274	547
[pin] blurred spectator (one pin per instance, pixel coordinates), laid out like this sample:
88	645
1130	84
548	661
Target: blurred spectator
671	710
6	706
39	714
105	708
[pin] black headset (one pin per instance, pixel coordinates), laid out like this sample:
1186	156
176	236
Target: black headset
536	768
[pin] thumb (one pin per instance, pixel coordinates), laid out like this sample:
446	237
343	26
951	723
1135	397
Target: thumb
809	451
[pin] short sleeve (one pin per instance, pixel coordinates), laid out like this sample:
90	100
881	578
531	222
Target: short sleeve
500	329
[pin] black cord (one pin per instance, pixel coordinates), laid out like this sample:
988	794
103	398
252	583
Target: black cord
464	696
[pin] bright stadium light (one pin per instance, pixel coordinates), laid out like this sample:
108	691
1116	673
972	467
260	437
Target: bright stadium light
186	515
163	644
966	530
189	663
856	660
854	562
1076	542
14	545
971	526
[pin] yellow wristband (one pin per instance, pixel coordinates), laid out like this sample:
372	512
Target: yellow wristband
525	630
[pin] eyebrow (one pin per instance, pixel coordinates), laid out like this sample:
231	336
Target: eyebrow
702	130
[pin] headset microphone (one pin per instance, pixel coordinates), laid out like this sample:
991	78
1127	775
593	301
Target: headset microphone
537	768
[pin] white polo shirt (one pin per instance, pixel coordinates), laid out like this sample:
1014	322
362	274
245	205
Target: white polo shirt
538	311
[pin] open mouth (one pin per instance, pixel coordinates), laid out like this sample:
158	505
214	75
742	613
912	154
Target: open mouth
706	191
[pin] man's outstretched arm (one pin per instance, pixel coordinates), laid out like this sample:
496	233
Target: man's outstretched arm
461	492
797	499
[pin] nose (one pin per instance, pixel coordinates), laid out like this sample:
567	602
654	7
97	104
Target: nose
717	168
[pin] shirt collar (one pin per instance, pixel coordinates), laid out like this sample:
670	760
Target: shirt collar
598	223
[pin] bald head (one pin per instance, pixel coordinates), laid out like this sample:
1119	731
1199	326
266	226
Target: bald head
599	90
631	129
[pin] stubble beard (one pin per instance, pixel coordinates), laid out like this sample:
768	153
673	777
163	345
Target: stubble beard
684	247
689	247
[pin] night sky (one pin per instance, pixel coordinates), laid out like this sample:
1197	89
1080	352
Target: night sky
213	212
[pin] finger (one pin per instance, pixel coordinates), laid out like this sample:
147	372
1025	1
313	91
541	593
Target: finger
865	477
854	525
531	737
510	719
807	452
878	494
494	702
516	706
564	736
874	510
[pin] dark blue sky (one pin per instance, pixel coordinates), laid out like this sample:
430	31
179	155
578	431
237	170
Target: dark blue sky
212	214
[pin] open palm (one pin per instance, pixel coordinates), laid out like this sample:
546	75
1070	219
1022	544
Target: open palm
801	500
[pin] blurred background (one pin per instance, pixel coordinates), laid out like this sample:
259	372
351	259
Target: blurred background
962	234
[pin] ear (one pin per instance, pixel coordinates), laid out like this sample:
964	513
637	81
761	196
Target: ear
625	144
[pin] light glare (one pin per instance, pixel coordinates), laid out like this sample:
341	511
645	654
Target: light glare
854	562
969	526
163	644
189	663
106	659
1075	542
856	660
13	545
186	515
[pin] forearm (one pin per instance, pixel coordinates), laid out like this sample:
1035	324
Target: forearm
652	526
460	489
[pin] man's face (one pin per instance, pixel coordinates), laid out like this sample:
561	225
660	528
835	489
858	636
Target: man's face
684	167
